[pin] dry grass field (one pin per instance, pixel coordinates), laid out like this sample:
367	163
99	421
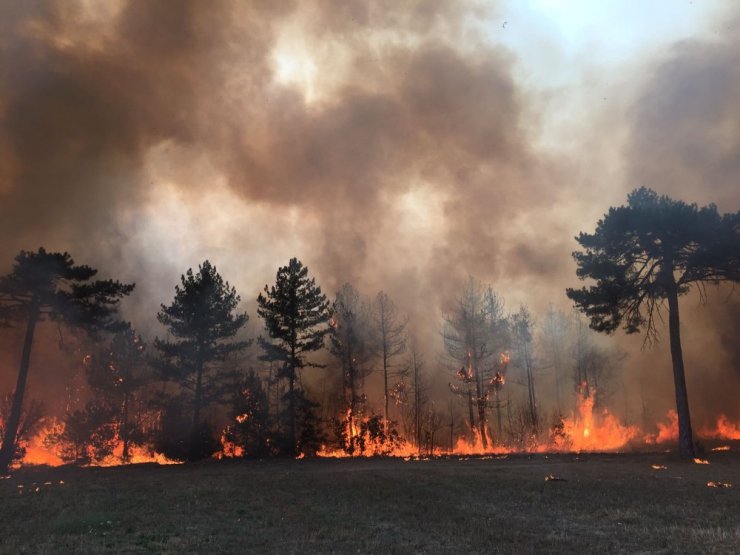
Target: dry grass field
604	503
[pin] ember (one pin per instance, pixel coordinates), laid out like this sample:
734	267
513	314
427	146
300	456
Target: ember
712	484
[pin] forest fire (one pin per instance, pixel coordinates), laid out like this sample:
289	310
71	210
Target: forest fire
723	429
585	430
137	406
45	449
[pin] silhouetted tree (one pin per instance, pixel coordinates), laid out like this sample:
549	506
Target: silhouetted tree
646	253
391	333
203	320
49	285
296	315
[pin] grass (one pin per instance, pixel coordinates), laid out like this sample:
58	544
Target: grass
614	503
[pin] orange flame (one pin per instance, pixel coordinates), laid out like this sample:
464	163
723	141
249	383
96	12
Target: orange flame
723	429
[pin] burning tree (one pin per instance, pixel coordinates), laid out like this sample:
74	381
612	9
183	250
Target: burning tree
593	364
352	345
32	419
88	435
45	285
649	252
117	374
475	334
391	331
204	321
250	431
295	312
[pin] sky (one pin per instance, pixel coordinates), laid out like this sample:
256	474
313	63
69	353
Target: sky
397	146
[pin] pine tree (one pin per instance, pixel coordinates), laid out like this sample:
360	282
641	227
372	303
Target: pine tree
649	252
203	320
296	314
45	285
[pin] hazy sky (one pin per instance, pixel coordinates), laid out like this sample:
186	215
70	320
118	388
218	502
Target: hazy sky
397	145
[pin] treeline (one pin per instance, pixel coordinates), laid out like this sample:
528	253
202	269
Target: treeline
192	394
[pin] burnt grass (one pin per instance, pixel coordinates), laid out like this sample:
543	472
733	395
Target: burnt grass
606	502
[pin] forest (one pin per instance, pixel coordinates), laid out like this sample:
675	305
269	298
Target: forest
344	375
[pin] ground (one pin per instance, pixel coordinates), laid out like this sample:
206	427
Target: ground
604	503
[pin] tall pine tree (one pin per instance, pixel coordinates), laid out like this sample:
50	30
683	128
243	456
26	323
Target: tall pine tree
647	254
296	314
203	320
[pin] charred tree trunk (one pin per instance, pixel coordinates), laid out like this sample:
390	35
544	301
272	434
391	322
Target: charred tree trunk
197	401
291	403
125	429
385	388
291	415
10	435
352	401
452	432
470	410
499	427
533	416
481	402
417	408
685	436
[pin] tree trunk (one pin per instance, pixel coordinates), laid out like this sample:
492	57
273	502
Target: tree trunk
417	409
685	436
291	403
291	412
124	429
11	426
385	388
499	426
556	369
197	402
533	416
352	399
470	410
481	410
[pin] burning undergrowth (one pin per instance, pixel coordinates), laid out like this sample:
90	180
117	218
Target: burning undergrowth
357	435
